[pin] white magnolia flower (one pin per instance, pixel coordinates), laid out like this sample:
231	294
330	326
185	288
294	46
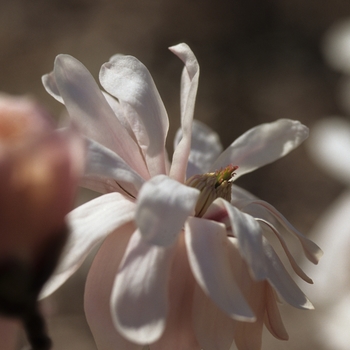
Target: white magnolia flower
184	263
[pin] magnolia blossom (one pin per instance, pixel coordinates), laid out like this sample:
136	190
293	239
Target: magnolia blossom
183	263
39	171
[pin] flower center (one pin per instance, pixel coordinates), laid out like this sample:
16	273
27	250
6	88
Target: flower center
212	186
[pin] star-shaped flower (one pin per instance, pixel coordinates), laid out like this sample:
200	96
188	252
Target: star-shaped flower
184	263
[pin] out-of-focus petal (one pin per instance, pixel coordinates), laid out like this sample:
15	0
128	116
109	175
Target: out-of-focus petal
9	333
89	224
98	291
205	148
179	332
214	329
189	86
139	300
103	162
249	234
206	244
262	145
163	205
329	147
88	107
126	78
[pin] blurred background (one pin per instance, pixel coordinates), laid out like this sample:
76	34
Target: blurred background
260	60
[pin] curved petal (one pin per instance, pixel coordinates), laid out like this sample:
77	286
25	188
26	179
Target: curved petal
206	244
205	148
249	234
189	86
103	162
139	302
329	147
262	145
127	79
89	224
214	329
98	289
89	108
179	332
162	208
50	86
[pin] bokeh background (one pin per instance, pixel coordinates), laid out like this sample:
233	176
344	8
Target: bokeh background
260	60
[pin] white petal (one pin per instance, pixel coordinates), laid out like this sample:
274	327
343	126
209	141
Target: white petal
206	244
126	78
189	86
89	108
329	146
249	234
139	300
104	162
262	145
162	208
98	289
50	86
205	148
89	224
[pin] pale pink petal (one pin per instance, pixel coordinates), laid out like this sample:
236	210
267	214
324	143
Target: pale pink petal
9	333
139	300
189	86
205	148
206	244
262	145
214	329
127	79
273	320
163	206
98	291
179	332
101	161
329	147
281	281
89	224
249	234
88	107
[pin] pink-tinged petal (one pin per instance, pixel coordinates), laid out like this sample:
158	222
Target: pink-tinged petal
214	329
280	280
89	224
249	234
103	162
189	86
9	333
88	107
98	289
311	250
50	86
179	332
329	147
163	206
205	148
273	320
206	243
127	79
262	145
139	300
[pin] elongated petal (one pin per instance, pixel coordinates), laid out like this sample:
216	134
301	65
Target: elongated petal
207	251
104	162
126	78
262	145
179	331
205	148
162	208
189	86
249	234
50	86
89	225
329	146
214	329
139	303
98	291
89	108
